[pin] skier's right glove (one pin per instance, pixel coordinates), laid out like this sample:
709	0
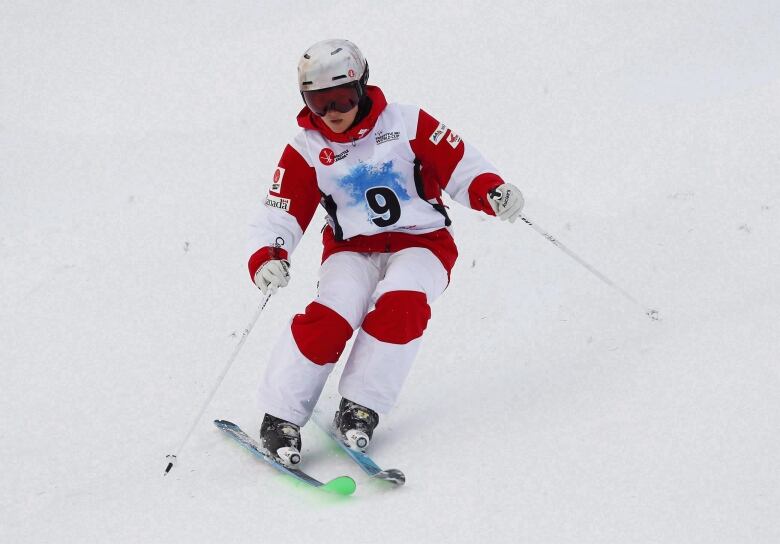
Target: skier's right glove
273	275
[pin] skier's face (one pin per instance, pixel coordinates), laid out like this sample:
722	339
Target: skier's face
339	122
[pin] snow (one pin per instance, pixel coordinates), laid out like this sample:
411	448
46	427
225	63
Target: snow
136	138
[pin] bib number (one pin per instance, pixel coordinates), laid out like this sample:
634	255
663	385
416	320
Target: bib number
385	204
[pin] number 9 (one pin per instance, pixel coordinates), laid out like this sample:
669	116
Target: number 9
383	201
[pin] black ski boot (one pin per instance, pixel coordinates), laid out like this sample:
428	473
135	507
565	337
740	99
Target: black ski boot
282	439
356	424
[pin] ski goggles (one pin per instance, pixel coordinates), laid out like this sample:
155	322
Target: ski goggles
342	99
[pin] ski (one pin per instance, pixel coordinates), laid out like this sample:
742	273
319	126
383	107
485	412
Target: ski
392	475
343	485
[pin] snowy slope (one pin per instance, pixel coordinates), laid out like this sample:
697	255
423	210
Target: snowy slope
136	139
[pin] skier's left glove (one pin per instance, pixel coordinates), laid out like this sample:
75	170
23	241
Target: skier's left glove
507	202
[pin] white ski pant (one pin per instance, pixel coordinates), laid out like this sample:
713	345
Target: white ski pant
387	296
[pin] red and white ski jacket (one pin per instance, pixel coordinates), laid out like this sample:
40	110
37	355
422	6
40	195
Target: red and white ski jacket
380	182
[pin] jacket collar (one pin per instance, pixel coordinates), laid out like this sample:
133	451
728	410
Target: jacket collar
307	120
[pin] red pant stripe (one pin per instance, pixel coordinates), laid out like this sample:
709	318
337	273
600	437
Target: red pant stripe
320	334
398	317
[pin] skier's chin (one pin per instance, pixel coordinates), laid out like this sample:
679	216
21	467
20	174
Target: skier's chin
336	125
339	122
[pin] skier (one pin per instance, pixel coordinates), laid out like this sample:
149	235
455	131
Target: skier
379	170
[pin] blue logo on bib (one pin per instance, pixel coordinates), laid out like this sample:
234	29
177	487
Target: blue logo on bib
364	177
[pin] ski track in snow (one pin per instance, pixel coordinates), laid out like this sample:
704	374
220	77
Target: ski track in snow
543	407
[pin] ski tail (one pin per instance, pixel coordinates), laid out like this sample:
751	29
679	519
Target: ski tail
392	475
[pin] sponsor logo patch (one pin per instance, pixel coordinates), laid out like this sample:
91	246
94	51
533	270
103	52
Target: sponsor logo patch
453	139
438	134
382	137
328	156
276	186
278	202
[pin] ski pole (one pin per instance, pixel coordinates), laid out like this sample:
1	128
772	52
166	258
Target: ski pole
652	314
244	334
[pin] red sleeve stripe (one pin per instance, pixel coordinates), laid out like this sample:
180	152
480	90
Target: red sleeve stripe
439	157
299	185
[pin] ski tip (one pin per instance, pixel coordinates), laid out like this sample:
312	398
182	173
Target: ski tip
392	475
343	485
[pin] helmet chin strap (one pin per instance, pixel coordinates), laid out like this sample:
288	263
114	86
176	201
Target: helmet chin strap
364	81
364	107
364	102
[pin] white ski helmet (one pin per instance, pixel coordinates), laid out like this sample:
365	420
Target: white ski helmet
331	63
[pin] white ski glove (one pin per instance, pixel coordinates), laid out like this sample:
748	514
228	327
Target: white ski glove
273	275
507	202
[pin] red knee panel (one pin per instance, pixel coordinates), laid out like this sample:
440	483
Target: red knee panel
320	333
399	317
